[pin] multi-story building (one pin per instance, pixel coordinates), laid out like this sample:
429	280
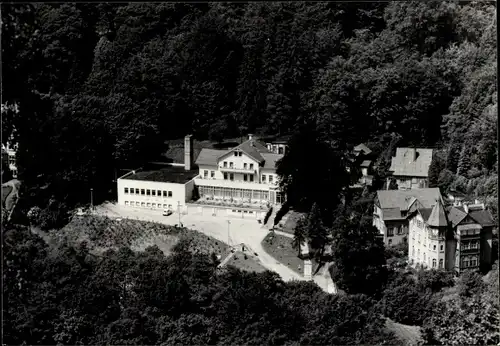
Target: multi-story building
279	145
410	168
364	160
241	181
392	208
246	173
427	236
10	151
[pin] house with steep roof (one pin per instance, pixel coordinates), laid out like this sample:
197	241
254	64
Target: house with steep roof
392	208
246	172
363	159
456	238
410	168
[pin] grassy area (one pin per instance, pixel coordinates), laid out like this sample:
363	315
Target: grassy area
102	233
290	223
246	262
409	335
6	190
280	247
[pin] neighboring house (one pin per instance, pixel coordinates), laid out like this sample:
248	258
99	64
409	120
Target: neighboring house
392	208
410	168
454	238
240	181
472	231
246	173
364	160
279	145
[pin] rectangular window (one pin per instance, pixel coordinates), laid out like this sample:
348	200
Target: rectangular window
390	232
143	204
158	193
251	166
149	205
148	192
230	165
473	262
433	263
251	177
235	153
165	206
225	164
131	191
441	264
270	178
434	247
126	202
441	247
164	193
225	176
137	204
465	262
170	194
263	178
231	176
153	205
240	153
205	174
143	192
126	190
245	165
212	174
245	177
153	192
474	244
136	191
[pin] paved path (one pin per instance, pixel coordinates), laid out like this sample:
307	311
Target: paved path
13	197
240	231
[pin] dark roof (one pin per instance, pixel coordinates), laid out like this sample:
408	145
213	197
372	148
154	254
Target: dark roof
362	147
164	174
401	198
403	164
483	217
456	215
280	140
252	148
208	157
425	212
438	216
270	160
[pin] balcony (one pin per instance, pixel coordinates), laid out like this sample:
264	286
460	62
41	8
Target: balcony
238	170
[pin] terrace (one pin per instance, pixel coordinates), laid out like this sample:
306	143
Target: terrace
231	202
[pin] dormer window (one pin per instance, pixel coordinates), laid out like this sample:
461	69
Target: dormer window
225	164
245	165
235	153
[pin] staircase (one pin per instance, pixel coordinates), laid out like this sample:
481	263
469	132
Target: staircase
270	223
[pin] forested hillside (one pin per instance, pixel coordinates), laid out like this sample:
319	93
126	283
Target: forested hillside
100	87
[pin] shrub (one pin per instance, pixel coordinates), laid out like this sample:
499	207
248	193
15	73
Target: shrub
268	215
279	215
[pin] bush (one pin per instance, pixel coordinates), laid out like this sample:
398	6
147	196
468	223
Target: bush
279	215
268	215
435	280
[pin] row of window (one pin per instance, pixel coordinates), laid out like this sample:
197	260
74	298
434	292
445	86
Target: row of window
470	231
470	261
440	263
231	165
395	230
147	192
148	205
466	245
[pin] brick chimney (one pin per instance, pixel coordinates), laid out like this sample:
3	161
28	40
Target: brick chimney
188	152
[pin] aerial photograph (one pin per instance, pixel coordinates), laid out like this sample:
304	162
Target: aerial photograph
249	173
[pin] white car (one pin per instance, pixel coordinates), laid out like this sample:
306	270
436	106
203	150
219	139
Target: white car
167	212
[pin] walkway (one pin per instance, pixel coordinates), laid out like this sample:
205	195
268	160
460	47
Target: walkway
13	197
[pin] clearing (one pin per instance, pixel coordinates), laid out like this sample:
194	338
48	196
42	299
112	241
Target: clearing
247	262
280	247
291	221
103	233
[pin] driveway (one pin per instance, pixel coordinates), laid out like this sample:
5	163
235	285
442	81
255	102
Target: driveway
240	231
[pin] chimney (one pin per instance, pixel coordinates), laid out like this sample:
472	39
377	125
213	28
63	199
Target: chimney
188	152
466	208
414	154
250	136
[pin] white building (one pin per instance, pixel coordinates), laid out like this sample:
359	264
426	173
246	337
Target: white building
11	156
241	181
245	174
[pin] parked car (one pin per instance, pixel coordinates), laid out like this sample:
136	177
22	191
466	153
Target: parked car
167	212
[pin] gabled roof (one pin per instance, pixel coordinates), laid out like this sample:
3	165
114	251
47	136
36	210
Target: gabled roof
456	215
208	157
425	212
404	164
438	216
362	147
401	198
252	148
270	160
483	217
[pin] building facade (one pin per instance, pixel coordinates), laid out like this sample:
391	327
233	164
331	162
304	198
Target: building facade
392	208
456	239
410	168
10	155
